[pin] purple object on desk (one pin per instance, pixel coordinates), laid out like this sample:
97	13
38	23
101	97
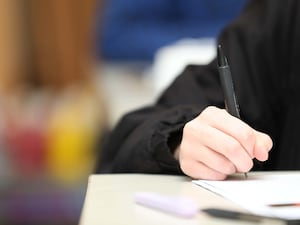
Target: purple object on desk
179	206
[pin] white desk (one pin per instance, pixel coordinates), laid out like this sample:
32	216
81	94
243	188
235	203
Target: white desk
110	200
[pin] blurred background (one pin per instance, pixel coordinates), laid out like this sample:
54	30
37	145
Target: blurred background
69	69
52	113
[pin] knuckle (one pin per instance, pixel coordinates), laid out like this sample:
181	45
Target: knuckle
211	108
247	135
208	110
232	148
187	131
188	125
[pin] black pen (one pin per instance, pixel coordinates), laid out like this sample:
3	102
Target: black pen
249	217
231	103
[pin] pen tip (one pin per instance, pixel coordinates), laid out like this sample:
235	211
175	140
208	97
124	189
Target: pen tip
222	61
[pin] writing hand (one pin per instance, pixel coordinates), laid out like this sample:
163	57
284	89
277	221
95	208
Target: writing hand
216	144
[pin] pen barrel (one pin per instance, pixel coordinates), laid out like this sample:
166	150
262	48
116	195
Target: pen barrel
231	104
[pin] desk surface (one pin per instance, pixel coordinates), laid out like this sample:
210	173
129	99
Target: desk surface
110	200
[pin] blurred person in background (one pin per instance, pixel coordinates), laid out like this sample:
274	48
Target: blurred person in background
133	30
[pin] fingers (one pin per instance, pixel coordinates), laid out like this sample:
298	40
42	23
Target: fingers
198	170
215	161
220	146
207	156
227	146
263	145
231	126
216	144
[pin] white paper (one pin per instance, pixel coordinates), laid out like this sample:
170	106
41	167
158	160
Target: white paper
260	190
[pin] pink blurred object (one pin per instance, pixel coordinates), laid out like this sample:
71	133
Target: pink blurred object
24	140
178	206
27	149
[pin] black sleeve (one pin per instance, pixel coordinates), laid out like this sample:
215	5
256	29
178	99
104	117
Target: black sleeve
143	140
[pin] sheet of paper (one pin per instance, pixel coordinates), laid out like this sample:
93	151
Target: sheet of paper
261	193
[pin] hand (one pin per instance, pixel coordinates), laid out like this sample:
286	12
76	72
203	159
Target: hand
216	144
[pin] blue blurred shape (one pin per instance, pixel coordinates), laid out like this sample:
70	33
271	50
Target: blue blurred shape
135	29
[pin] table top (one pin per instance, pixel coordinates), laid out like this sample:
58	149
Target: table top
110	200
